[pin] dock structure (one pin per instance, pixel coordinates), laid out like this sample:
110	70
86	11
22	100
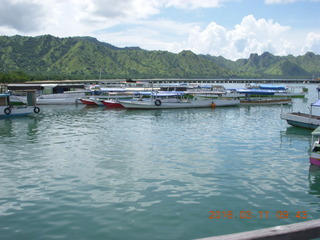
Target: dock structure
184	80
297	231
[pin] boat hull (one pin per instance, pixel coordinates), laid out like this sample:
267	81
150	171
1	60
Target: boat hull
112	104
314	161
225	102
266	102
87	101
166	105
302	120
17	111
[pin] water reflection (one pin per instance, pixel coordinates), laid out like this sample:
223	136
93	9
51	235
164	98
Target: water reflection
314	183
314	180
12	127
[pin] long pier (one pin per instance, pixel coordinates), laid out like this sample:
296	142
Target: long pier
184	80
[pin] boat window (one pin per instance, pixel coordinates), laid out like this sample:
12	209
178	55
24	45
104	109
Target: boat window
3	101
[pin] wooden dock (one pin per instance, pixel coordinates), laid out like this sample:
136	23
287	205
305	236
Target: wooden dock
297	231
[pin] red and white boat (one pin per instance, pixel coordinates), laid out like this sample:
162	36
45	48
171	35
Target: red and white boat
112	103
92	101
87	101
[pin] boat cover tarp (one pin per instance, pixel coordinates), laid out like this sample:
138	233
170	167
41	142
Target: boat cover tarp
21	87
272	87
256	91
316	104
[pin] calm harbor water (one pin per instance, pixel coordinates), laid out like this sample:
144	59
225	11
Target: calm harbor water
77	172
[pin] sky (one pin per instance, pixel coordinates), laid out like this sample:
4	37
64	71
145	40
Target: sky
230	28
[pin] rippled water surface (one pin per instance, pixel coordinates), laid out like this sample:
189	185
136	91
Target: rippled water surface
74	172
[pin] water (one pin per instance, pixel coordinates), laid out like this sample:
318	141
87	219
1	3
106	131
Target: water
75	172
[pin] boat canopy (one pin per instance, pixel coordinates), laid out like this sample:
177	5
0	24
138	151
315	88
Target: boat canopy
255	91
143	93
30	86
316	104
112	89
5	95
167	93
272	87
316	132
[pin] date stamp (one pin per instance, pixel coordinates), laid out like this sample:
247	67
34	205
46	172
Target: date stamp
281	214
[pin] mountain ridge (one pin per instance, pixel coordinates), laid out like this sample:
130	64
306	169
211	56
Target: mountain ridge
47	57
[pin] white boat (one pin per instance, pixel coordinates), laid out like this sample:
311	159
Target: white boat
176	99
8	110
304	120
51	94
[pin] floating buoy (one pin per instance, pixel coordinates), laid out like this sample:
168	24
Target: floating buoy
213	105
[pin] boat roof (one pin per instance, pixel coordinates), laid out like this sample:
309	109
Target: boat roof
272	87
28	86
255	91
4	95
168	93
112	89
316	131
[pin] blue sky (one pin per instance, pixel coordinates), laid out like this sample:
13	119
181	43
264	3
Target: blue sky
230	28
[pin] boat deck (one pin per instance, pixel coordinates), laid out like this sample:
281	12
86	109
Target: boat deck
306	115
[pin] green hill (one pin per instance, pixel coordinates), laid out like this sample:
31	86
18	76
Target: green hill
48	57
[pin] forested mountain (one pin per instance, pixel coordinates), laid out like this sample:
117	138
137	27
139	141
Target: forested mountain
48	57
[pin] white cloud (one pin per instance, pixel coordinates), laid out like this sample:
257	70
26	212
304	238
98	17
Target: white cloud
250	36
269	2
129	23
279	1
192	4
312	43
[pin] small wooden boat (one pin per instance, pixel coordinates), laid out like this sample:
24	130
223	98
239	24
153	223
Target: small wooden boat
303	120
314	157
176	99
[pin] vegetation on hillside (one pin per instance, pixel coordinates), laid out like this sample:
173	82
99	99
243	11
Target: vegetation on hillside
48	57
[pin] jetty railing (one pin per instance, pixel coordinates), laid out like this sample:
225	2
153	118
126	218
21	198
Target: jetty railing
296	231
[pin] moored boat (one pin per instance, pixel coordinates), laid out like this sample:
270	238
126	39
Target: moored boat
303	120
281	90
51	94
8	110
257	100
176	99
